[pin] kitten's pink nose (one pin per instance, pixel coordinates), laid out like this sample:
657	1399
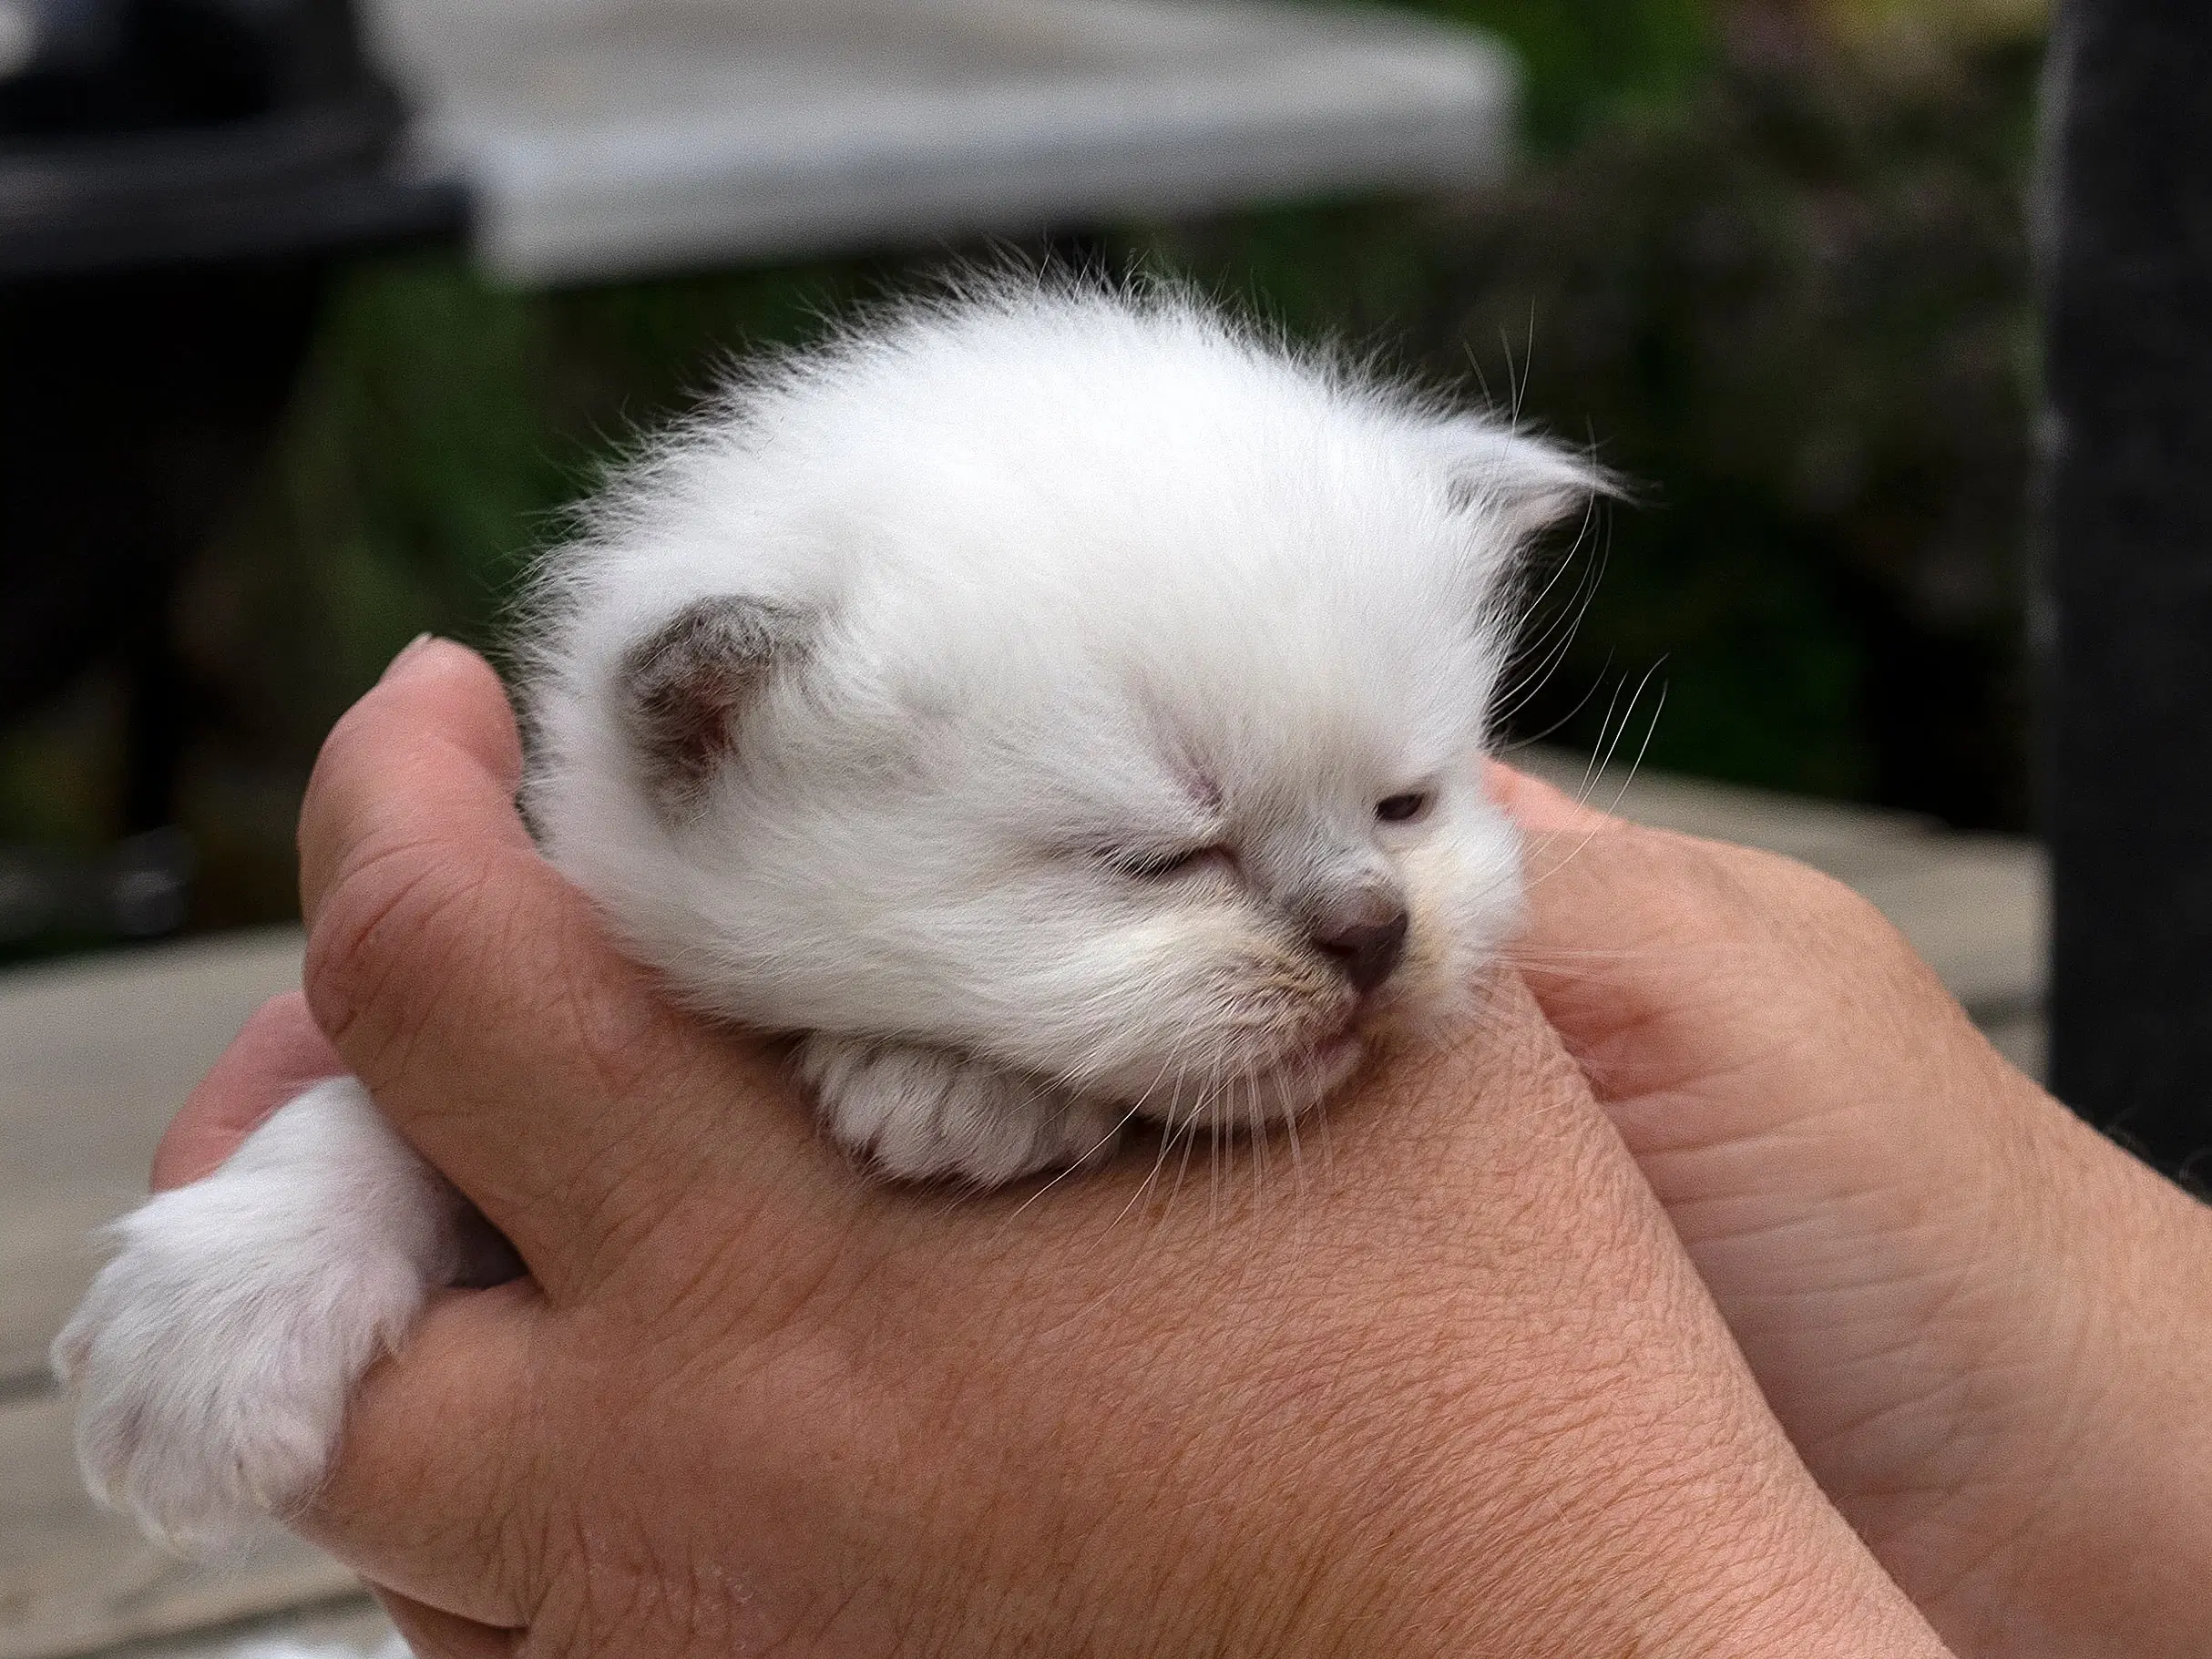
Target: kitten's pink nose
1364	943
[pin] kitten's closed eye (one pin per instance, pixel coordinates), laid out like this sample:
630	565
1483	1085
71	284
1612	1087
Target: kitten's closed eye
1159	866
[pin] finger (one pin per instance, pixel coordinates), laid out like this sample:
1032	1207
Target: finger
278	1053
1596	910
1625	936
1624	926
1636	937
464	750
427	1497
1537	807
476	993
432	1633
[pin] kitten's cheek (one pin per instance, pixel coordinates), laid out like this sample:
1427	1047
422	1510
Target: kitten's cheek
1462	912
1427	959
1481	884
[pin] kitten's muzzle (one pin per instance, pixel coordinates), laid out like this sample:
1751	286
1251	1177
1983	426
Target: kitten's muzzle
1365	943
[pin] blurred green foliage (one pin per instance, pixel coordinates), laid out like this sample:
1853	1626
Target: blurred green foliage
1780	284
1586	62
1795	312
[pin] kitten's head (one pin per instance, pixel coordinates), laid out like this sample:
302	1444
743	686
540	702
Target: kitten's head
1075	681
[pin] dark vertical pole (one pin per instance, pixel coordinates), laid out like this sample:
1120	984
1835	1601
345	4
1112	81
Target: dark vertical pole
2129	359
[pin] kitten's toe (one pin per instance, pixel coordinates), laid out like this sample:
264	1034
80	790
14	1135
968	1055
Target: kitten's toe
930	1114
1083	1132
211	1378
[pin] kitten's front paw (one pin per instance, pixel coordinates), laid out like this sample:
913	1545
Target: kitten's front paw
927	1115
212	1358
211	1377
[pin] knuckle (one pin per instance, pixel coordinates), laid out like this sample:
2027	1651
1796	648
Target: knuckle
392	928
1755	891
1824	912
1794	925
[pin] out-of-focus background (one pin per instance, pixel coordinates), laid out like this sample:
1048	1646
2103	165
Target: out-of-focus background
1768	257
310	329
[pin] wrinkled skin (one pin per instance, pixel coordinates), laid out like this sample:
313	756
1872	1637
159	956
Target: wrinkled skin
1450	1386
1981	1324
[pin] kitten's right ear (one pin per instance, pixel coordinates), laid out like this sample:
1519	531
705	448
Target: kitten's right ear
1529	483
685	685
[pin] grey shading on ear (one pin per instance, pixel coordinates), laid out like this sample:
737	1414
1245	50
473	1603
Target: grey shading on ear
1531	484
684	686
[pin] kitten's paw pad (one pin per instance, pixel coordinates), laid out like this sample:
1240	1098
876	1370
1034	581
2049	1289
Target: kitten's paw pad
929	1114
212	1359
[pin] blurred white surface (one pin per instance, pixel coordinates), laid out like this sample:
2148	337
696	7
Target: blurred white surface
95	1056
613	137
18	36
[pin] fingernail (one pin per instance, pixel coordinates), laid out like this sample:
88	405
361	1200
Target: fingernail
406	651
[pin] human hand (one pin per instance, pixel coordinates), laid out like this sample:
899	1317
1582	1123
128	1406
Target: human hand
1983	1325
1449	1385
279	1052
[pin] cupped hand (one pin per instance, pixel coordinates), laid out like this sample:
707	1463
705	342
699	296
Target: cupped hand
1984	1327
1445	1384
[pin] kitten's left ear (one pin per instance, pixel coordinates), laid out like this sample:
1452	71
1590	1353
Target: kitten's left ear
1529	483
685	686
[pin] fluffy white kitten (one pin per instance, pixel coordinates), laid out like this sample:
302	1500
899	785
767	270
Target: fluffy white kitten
1055	708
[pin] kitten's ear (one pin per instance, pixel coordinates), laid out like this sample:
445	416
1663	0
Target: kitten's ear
684	686
1529	483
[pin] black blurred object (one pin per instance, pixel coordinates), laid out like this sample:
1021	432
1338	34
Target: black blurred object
136	405
144	132
140	889
176	179
2129	352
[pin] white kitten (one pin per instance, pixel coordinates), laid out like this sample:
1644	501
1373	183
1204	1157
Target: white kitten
1058	708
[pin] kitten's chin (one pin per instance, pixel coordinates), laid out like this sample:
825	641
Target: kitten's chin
1308	1078
1258	1100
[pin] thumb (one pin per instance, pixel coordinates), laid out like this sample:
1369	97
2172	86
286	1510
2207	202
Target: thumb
477	994
1634	936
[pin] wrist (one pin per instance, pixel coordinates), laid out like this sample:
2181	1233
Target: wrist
2104	1451
2038	1488
1718	1550
1656	1513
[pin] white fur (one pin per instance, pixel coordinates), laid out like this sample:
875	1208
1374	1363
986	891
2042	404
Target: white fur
1073	581
212	1357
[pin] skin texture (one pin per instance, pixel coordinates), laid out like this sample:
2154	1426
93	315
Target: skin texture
1975	1318
1981	1324
1450	1386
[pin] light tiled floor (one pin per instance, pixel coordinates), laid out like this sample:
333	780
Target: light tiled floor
95	1055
